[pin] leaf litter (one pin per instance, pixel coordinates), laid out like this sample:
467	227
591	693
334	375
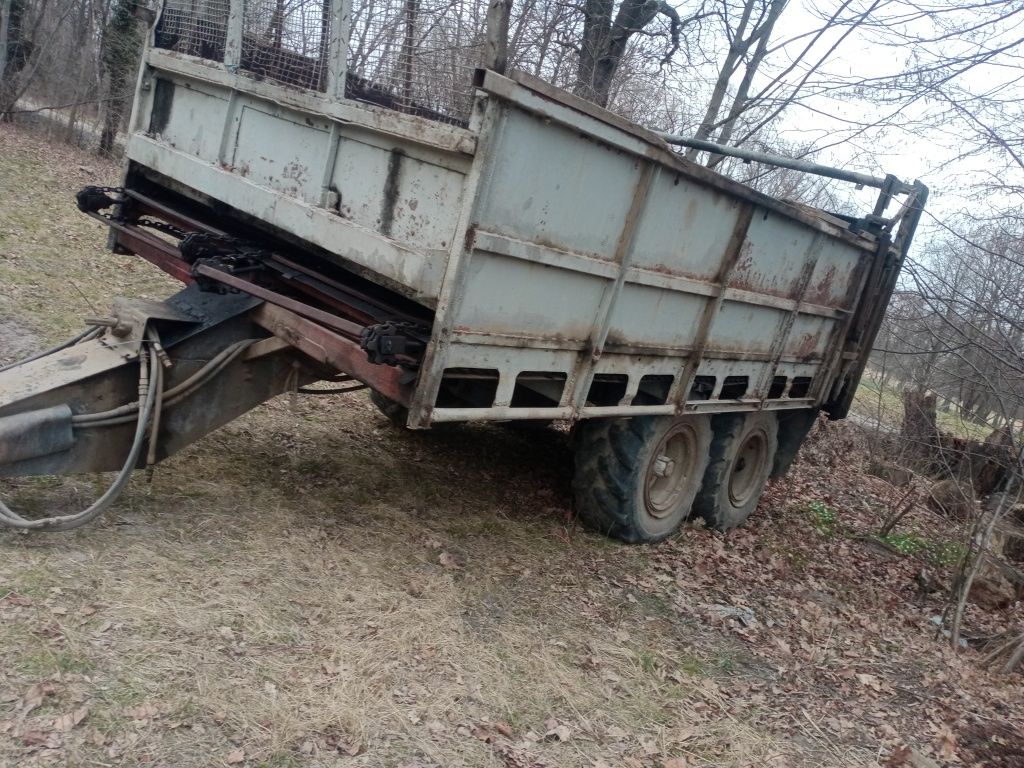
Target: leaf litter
342	627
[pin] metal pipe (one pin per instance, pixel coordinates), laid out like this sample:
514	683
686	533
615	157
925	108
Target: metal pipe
861	179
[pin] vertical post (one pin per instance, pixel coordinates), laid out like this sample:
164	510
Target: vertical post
496	44
583	374
233	43
337	50
408	51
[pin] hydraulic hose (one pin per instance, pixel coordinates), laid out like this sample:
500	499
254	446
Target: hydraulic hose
89	333
149	395
126	413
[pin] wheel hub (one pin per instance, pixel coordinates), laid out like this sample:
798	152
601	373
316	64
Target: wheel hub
663	466
667	476
745	476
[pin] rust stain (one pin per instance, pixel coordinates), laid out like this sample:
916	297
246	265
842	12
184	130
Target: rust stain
822	292
296	172
808	345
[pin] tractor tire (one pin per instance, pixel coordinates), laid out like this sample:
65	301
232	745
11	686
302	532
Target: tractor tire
636	478
396	413
742	455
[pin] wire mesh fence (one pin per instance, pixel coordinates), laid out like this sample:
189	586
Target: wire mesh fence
287	41
416	56
194	27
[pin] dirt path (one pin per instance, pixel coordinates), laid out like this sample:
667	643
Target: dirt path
16	341
317	588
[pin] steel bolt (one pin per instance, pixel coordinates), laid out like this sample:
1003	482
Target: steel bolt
664	466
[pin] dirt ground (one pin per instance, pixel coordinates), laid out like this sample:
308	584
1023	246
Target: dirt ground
311	586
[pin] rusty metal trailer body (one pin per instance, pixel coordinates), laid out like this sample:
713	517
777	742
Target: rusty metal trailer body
547	259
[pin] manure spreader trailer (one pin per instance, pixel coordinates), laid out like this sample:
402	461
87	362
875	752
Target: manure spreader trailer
343	201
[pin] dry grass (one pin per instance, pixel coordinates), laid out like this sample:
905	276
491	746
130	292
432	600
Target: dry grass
317	588
281	588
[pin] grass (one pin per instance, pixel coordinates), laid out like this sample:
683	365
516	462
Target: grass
280	587
823	518
939	552
875	402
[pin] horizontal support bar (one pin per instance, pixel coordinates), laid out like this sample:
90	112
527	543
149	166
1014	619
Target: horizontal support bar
572	261
411	128
326	318
862	179
330	348
566	413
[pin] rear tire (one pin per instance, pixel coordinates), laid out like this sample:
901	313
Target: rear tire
396	413
742	456
636	478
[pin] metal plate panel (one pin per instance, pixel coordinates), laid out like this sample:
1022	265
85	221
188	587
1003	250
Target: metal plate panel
280	154
835	280
655	316
418	270
554	187
809	337
417	202
686	228
195	122
773	256
513	296
744	327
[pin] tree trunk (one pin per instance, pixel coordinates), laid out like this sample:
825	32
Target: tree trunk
597	21
740	102
5	31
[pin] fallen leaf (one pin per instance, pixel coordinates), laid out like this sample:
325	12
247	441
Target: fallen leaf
448	561
145	711
349	749
870	681
683	733
66	722
947	743
37	738
559	732
503	729
34	696
235	757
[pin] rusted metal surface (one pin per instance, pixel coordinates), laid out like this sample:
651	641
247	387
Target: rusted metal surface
496	42
326	318
733	254
26	387
331	349
554	104
145	205
380	119
584	372
805	349
154	250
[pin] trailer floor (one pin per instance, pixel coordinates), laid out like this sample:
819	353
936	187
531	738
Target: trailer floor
317	588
